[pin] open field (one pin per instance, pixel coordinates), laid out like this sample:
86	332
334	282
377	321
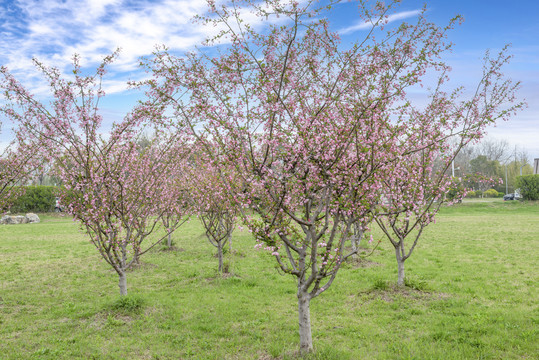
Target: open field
473	295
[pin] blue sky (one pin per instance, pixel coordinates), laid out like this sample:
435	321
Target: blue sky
52	30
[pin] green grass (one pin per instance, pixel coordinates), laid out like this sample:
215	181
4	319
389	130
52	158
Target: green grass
472	294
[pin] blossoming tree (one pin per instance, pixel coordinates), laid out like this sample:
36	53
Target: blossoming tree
116	190
16	165
17	160
416	186
212	183
309	126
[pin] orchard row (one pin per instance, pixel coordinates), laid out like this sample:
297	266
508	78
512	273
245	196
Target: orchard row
306	142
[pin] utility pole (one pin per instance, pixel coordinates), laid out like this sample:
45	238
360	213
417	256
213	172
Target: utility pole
506	191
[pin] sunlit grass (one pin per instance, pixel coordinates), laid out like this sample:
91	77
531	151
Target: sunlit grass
472	294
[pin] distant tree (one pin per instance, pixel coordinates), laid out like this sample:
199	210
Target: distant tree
478	182
514	169
461	164
16	165
420	183
494	149
18	160
212	183
175	216
483	165
412	199
493	158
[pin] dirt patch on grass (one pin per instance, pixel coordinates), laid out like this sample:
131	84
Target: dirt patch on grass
108	318
227	254
171	249
150	310
268	357
141	265
362	263
225	275
393	292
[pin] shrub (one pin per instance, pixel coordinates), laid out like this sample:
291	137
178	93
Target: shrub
380	284
35	199
478	193
127	304
470	194
529	186
490	193
416	284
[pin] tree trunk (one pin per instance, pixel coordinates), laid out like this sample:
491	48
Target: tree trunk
123	284
169	241
356	239
305	337
400	264
220	255
354	245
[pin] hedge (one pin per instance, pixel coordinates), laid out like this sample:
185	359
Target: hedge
529	186
35	199
490	193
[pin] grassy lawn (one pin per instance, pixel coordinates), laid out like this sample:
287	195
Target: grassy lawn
473	295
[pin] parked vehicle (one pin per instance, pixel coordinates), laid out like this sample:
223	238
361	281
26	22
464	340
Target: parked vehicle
515	196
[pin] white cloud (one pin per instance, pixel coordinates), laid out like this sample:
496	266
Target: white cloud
53	31
362	25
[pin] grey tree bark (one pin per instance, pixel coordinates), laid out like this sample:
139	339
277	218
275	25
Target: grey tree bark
356	239
169	240
122	283
400	265
220	255
305	336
